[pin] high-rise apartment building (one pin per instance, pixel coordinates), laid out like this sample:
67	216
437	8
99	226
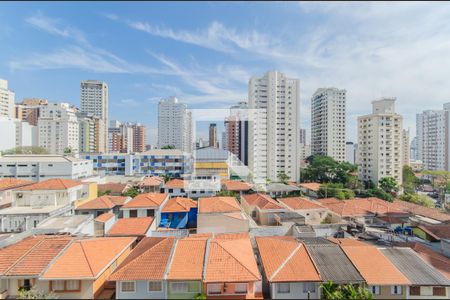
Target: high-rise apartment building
91	128
58	128
94	101
380	143
413	149
328	123
302	136
433	138
28	110
350	152
6	100
127	137
174	125
236	131
274	102
213	140
405	147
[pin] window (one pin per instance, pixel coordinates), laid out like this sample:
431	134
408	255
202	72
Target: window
375	289
414	291
154	286
438	291
57	285
309	287
127	286
72	285
214	289
396	290
150	212
133	213
240	288
179	287
283	288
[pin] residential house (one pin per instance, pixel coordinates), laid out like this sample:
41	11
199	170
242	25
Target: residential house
288	270
23	262
103	223
137	227
433	233
6	187
231	271
103	204
276	190
313	211
151	184
82	271
220	215
195	188
310	189
113	189
239	187
145	205
179	213
262	208
426	281
176	188
422	214
383	279
36	202
142	273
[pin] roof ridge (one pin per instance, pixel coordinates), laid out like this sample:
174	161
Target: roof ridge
87	260
173	250
224	241
61	252
283	264
23	256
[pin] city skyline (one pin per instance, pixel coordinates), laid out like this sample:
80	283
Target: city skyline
168	57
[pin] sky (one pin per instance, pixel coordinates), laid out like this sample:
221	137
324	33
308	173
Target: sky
204	53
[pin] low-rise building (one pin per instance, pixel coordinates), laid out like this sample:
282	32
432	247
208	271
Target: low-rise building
419	210
237	186
137	227
7	185
280	190
102	204
43	167
194	188
145	205
179	213
211	162
113	189
262	208
151	184
313	212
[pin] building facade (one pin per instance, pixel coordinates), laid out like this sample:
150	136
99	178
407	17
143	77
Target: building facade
328	106
58	128
94	101
6	100
213	139
350	152
236	132
380	143
433	138
90	133
16	133
126	137
28	110
274	101
174	125
406	156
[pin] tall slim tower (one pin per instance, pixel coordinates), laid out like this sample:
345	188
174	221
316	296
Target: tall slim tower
213	141
94	101
274	102
236	131
7	106
328	123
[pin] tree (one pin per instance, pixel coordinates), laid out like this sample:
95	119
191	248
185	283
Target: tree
131	192
26	150
100	193
324	169
168	147
376	192
282	177
388	184
410	181
166	177
335	190
227	194
418	199
35	294
347	291
67	150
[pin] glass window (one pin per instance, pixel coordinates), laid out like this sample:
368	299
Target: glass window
414	290
396	290
57	285
127	286
179	287
214	288
283	288
154	286
240	288
375	289
73	285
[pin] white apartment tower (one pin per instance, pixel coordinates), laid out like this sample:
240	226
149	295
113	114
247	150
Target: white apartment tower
58	128
273	134
433	138
328	123
380	143
7	106
406	147
174	125
94	101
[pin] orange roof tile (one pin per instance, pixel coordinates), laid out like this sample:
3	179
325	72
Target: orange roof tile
51	184
146	200
231	260
232	236
131	227
262	201
104	217
437	231
438	261
200	235
148	261
179	204
175	184
10	183
114	188
236	215
286	260
218	205
361	207
298	203
103	202
29	257
235	185
416	209
87	258
151	181
374	267
188	259
313	186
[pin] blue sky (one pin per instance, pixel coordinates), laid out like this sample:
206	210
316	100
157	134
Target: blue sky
205	52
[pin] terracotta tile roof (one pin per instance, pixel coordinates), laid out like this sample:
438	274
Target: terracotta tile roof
87	258
103	202
30	257
298	203
313	186
231	260
392	220
131	227
200	235
361	207
286	260
175	184
236	215
148	261
232	236
218	205
262	201
188	259
10	183
374	267
437	231
438	261
416	209
235	185
146	200
179	204
115	188
347	242
104	217
51	184
151	181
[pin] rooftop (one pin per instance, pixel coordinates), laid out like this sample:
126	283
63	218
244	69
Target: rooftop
235	185
175	184
438	261
211	154
114	188
151	181
146	200
103	202
262	201
437	231
298	203
39	158
51	184
131	227
313	186
281	187
218	205
360	207
416	209
188	259
10	183
105	217
179	204
64	223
